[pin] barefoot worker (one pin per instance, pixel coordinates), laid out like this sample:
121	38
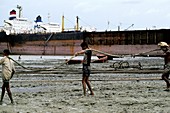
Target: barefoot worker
86	66
8	70
165	76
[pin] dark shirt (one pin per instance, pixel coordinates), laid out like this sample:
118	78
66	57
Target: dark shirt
87	57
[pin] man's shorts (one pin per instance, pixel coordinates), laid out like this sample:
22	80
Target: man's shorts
6	81
86	70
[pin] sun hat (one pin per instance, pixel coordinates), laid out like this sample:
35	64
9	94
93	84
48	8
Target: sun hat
163	44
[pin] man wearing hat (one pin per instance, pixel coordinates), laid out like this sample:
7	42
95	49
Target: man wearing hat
165	76
8	70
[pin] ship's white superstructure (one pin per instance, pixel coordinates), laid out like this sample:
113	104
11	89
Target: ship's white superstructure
46	27
51	27
18	25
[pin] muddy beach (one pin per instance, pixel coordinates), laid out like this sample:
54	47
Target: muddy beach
59	90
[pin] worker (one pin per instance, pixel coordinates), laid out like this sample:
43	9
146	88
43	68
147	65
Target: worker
86	66
8	70
165	76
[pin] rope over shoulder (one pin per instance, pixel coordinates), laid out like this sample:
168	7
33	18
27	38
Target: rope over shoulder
18	63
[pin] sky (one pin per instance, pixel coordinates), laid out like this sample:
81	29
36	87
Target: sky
100	14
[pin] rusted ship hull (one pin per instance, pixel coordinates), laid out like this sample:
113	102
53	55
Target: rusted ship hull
136	42
43	44
67	43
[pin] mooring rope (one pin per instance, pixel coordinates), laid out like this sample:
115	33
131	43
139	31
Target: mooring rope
18	63
145	52
55	67
42	69
105	53
121	56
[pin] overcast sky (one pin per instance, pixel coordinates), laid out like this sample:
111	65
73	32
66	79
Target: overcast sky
101	14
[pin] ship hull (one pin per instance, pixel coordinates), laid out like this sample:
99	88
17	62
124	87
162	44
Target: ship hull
136	42
67	43
42	44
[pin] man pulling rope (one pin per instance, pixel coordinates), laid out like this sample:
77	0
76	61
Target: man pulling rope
165	76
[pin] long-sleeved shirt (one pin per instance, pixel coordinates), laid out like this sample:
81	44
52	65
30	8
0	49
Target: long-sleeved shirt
7	68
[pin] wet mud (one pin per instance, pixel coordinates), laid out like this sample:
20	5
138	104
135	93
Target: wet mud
59	89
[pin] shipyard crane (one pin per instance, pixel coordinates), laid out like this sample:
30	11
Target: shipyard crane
129	27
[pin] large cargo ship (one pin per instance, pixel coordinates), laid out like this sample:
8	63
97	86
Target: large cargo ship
25	37
51	39
67	43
